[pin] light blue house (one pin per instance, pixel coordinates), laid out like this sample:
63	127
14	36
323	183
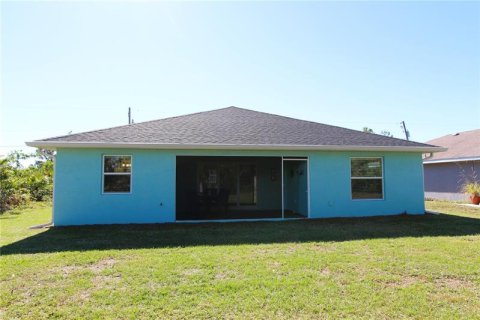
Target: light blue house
232	164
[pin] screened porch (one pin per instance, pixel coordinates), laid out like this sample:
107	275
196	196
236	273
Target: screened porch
224	188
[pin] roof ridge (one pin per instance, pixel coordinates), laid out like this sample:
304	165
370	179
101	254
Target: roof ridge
134	124
330	125
453	134
268	128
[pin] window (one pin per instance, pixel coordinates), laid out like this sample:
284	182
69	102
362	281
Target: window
117	174
367	178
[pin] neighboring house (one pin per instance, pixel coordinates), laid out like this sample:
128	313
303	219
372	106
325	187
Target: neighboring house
230	164
446	172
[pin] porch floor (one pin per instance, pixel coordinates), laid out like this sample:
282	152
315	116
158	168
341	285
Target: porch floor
236	215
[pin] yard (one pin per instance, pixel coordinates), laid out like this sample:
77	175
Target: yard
387	267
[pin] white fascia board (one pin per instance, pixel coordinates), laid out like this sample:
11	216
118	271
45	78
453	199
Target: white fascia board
176	146
451	160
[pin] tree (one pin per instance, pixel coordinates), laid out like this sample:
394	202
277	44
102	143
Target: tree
19	184
45	154
386	133
383	132
15	158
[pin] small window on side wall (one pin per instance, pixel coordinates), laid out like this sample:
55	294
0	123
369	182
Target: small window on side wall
366	178
117	174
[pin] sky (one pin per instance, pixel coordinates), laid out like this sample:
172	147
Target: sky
78	66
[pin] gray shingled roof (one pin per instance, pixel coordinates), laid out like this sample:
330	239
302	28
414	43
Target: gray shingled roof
462	145
234	126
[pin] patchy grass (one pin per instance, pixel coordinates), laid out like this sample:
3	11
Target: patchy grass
455	208
387	267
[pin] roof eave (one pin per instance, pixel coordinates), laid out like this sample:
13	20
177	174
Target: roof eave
447	160
179	146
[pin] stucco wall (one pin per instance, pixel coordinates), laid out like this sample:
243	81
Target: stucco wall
445	180
78	195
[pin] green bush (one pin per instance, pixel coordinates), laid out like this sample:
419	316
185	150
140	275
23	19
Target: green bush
19	184
471	188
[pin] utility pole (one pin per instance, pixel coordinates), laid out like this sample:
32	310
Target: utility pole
129	115
404	128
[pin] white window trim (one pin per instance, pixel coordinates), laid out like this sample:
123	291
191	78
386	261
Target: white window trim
116	173
368	178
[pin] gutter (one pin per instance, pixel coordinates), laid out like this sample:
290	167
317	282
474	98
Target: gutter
447	160
179	146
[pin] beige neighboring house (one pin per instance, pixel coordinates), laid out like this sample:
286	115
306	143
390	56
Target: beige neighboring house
446	172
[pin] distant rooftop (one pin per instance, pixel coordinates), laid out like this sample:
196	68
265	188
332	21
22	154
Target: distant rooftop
461	146
234	128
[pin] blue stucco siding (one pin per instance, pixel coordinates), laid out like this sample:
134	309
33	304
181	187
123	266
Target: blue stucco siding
78	189
79	199
330	188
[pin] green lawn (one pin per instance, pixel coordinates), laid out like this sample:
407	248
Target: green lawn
389	267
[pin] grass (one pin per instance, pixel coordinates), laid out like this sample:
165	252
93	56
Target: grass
388	267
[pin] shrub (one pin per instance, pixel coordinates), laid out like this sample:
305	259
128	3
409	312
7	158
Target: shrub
19	185
471	188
